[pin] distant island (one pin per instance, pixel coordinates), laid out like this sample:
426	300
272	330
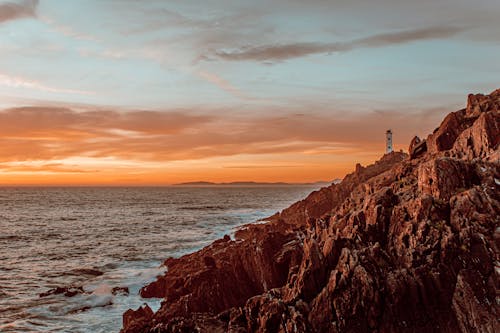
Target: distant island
250	183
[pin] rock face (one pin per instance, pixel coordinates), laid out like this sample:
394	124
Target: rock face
403	245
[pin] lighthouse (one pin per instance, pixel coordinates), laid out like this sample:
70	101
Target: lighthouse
388	141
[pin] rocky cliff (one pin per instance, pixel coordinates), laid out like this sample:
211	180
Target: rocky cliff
408	244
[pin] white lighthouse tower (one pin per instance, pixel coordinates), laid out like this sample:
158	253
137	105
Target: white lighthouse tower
388	142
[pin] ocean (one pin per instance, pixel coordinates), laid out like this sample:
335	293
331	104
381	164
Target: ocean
101	238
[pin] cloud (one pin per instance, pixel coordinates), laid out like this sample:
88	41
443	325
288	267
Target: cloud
19	82
42	167
67	31
281	52
17	10
49	134
54	121
222	84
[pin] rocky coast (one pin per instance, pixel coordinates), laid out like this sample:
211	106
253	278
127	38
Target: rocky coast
408	244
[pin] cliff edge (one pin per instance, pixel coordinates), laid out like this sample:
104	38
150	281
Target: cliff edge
408	244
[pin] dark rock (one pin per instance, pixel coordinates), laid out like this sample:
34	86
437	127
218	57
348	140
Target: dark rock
209	262
473	303
120	290
66	291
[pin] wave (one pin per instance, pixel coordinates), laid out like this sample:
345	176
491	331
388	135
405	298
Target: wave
208	207
85	271
69	218
90	302
14	237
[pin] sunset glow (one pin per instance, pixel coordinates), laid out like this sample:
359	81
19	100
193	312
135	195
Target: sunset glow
155	93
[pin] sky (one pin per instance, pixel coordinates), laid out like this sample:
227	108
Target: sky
129	92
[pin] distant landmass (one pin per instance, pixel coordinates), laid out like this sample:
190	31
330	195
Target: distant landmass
249	183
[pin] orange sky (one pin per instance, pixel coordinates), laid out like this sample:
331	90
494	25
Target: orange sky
217	170
62	146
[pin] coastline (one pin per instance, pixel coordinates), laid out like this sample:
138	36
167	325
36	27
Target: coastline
406	244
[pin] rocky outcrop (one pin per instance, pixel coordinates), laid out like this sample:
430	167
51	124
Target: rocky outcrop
325	200
226	273
403	245
138	320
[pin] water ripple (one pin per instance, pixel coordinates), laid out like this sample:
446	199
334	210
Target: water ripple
100	238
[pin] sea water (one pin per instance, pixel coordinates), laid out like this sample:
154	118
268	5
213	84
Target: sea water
101	238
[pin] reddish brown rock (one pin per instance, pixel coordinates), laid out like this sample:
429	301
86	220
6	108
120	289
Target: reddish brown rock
479	140
479	103
445	135
442	177
403	245
138	320
202	281
472	303
327	199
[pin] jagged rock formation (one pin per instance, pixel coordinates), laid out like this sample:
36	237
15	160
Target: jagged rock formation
404	245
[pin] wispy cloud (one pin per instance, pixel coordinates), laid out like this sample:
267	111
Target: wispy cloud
54	121
30	167
19	82
222	84
17	10
67	31
279	52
